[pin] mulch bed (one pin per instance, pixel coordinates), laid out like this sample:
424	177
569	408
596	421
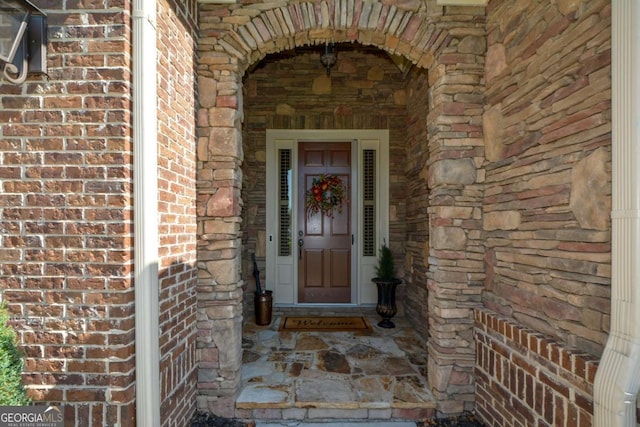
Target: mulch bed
464	420
202	419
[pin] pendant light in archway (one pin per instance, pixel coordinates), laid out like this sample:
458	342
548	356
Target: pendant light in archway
328	57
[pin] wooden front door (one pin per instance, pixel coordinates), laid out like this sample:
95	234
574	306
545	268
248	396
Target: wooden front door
324	240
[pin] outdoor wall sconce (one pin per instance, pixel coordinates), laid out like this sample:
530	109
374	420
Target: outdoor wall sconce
329	57
23	40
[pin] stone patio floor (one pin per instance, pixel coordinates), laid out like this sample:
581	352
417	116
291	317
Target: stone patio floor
331	376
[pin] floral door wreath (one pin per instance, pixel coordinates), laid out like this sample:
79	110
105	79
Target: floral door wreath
326	194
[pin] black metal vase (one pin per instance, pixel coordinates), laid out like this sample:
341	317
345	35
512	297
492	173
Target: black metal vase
263	307
386	306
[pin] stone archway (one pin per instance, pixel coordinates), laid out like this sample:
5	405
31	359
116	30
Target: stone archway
450	44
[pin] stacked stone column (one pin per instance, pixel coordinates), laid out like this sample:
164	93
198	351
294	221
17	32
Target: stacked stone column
219	244
456	251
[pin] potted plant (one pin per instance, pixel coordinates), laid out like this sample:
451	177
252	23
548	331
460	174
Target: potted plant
386	281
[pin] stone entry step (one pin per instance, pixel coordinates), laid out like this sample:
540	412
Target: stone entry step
339	424
336	416
346	377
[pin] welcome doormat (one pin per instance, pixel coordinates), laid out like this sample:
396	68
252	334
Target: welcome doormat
324	324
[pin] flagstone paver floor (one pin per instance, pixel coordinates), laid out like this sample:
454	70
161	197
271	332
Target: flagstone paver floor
378	374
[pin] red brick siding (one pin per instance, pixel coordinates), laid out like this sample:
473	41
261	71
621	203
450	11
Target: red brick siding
551	272
177	220
66	219
524	378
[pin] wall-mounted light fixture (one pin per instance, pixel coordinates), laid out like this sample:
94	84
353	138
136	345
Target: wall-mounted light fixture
329	57
23	40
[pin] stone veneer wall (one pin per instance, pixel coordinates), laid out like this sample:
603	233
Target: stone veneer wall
547	206
66	214
292	91
548	193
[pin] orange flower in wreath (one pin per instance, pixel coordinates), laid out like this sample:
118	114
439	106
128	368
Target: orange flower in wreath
325	195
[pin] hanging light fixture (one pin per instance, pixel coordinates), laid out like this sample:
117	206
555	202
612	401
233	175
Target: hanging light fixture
23	40
329	57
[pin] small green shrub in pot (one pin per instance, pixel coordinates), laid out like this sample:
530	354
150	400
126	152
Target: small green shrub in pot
385	270
386	282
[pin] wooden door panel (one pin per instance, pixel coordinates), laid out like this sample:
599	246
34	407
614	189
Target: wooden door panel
340	268
324	256
313	267
340	158
340	225
313	225
314	158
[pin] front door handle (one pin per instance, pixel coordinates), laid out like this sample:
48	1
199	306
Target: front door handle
300	245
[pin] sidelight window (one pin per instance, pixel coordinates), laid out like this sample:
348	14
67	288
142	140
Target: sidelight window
284	199
369	203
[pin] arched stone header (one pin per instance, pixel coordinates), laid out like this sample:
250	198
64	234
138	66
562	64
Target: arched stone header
405	29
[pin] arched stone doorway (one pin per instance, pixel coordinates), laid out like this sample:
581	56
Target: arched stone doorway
447	268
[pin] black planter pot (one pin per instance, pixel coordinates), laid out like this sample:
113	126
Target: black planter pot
386	306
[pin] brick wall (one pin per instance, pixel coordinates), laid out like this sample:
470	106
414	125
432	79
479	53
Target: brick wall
291	91
526	379
65	214
546	211
177	221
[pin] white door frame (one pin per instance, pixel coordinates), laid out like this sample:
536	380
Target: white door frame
282	271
